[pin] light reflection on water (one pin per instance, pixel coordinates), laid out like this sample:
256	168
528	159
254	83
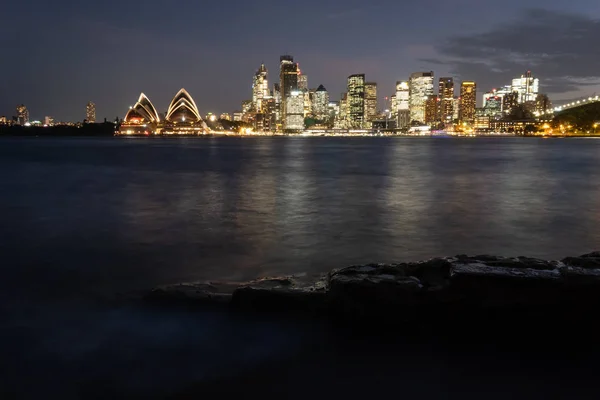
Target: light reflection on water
119	215
85	218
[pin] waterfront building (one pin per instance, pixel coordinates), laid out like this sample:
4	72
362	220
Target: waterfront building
182	118
260	88
288	81
320	102
22	115
141	118
48	120
294	120
225	116
3	120
370	101
420	87
356	100
238	116
468	101
482	123
402	104
446	95
90	113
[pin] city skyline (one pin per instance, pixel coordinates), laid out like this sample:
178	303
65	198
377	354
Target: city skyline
80	48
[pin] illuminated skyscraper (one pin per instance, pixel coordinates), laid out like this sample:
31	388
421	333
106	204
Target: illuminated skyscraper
446	95
468	101
370	101
277	97
260	89
48	120
402	105
356	100
320	102
90	113
288	78
294	121
527	87
302	81
432	108
420	87
22	114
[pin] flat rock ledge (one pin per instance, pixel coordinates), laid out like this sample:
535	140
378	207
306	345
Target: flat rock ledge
440	287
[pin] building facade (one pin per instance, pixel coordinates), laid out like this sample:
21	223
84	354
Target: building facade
260	89
320	103
288	81
294	121
420	87
356	100
90	113
446	95
22	115
468	101
527	87
402	105
432	108
370	101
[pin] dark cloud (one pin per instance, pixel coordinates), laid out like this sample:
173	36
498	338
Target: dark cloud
559	47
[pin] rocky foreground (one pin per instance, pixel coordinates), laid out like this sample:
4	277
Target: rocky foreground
439	288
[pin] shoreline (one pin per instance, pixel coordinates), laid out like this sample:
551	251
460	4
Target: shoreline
433	291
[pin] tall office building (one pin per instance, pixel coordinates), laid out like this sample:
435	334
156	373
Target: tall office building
276	93
393	107
432	109
527	87
288	80
446	95
302	81
22	114
468	101
420	88
260	89
456	114
356	100
370	101
402	105
48	120
344	107
90	113
320	102
294	121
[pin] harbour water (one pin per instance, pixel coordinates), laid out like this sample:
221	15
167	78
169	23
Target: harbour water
88	221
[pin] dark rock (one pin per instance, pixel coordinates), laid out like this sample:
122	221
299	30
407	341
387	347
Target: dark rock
432	273
281	294
438	289
587	261
372	294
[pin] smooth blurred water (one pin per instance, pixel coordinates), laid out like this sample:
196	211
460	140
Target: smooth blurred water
84	219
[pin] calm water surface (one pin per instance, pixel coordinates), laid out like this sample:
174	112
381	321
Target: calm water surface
88	218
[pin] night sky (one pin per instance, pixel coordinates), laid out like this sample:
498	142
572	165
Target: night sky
58	55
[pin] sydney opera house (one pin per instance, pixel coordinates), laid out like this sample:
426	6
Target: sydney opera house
182	118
